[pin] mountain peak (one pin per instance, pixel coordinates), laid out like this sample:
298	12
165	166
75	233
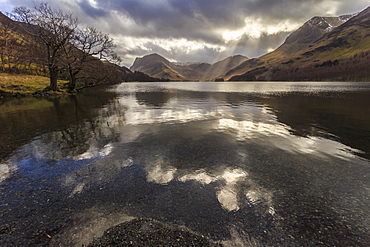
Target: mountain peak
312	30
327	24
153	56
147	60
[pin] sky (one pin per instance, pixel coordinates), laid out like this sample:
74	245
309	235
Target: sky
196	30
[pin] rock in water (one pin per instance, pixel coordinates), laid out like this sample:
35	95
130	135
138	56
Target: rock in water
148	232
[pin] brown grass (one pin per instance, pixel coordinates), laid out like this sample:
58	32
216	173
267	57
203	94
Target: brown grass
23	84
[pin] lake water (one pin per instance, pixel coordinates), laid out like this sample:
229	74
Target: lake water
244	164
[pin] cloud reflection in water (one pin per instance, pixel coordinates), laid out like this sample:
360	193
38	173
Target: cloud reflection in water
279	135
159	172
227	193
126	120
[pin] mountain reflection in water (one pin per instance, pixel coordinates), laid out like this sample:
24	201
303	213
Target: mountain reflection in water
278	164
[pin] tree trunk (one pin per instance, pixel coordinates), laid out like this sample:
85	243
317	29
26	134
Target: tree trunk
72	84
53	71
72	80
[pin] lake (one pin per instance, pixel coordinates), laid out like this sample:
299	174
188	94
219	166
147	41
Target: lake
243	164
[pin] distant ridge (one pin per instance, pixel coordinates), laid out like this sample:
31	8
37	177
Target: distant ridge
157	66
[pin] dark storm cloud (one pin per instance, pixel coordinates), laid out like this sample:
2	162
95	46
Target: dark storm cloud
216	13
200	20
91	11
175	18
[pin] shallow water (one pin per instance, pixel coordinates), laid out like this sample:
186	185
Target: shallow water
272	164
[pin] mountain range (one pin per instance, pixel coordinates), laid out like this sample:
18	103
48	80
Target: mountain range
323	48
157	66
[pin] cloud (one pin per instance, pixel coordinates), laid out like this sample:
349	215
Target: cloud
88	7
207	29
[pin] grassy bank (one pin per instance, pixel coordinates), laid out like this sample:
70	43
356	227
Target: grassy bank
12	84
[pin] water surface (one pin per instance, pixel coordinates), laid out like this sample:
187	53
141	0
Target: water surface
273	164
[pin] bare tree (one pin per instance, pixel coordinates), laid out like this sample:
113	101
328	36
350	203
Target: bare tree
88	45
53	28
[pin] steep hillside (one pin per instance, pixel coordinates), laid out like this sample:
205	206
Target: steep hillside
341	53
157	66
21	52
311	31
345	41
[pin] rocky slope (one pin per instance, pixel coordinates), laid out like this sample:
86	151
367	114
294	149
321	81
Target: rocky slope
311	31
